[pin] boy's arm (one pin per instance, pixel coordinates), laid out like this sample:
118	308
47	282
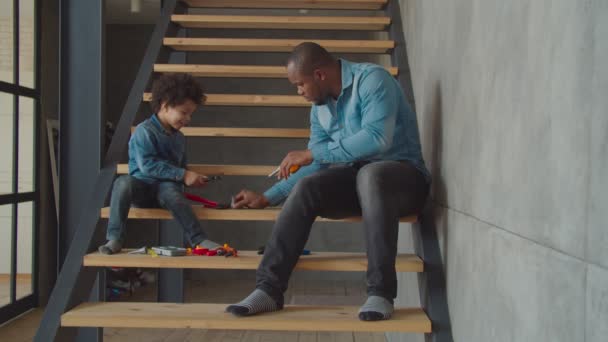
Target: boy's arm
147	159
379	98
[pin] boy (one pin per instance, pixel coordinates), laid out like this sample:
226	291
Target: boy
157	163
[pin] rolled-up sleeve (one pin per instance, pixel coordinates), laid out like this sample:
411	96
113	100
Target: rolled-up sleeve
379	106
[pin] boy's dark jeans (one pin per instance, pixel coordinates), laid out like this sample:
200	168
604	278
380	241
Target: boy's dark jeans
381	192
129	191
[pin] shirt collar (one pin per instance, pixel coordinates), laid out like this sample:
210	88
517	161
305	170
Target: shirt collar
157	123
347	74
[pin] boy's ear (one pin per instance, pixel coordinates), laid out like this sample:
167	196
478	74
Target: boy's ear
163	106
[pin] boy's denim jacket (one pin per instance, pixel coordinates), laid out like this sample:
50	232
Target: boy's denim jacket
155	154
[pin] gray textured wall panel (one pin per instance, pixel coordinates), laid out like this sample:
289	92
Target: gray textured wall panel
505	288
505	112
597	304
597	229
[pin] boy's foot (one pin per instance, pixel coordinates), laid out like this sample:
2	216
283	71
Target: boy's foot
210	245
111	247
257	302
376	308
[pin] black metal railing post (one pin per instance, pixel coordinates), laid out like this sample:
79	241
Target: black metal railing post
74	282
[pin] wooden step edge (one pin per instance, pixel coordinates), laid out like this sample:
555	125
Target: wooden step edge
249	100
218	170
213	316
243	71
249	260
233	132
227	215
281	22
276	45
286	4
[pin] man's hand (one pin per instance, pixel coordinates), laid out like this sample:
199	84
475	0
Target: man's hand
299	158
249	199
192	178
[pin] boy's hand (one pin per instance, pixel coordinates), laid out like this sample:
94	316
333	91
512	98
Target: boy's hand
194	179
294	158
249	199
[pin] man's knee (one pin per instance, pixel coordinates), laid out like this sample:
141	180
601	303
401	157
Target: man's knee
370	178
306	186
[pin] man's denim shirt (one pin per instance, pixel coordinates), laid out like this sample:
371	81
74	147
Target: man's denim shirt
156	155
370	121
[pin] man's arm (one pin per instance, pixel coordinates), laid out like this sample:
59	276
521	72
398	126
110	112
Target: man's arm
279	192
379	105
147	159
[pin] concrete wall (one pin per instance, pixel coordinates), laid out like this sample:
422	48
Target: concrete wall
512	103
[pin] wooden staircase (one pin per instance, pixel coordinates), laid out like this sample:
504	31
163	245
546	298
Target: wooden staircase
212	316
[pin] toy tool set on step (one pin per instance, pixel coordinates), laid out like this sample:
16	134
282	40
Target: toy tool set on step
171	251
225	250
205	202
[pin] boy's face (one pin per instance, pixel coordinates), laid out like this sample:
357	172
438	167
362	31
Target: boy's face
177	116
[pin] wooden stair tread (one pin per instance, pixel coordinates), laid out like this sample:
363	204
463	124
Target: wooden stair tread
226	214
276	45
212	316
250	100
282	22
221	170
300	4
297	133
249	260
245	71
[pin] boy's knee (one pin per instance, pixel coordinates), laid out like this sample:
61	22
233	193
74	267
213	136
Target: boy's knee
170	194
123	184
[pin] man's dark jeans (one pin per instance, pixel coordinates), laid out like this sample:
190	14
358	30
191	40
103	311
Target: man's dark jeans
381	192
129	191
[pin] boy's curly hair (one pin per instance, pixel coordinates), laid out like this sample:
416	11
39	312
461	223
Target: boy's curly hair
175	89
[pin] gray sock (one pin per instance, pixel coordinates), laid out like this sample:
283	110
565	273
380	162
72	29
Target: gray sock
111	247
376	308
209	244
257	302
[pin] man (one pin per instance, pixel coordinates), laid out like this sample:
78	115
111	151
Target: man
361	123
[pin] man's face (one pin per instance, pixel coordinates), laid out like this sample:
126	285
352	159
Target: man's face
180	115
311	87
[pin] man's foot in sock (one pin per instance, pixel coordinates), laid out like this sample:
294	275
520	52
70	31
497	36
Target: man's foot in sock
376	308
209	244
257	302
111	247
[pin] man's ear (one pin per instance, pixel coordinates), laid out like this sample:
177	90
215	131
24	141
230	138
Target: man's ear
319	75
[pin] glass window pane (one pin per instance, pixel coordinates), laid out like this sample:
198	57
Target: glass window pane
25	249
26	43
6	142
6	41
6	222
25	182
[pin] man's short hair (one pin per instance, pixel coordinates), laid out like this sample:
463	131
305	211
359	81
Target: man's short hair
308	56
174	90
